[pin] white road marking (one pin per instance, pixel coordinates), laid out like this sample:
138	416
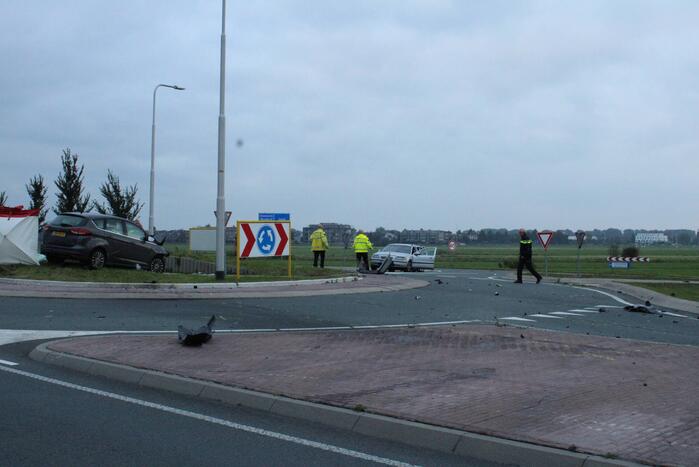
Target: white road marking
612	296
672	314
517	318
546	316
213	420
609	306
7	362
577	310
564	313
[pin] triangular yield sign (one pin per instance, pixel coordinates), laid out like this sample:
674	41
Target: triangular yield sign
545	238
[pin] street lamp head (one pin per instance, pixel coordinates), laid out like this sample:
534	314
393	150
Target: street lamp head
178	88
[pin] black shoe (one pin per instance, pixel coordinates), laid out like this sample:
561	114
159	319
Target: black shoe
538	280
517	282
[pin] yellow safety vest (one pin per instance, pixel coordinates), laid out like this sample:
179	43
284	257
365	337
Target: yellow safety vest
362	244
319	241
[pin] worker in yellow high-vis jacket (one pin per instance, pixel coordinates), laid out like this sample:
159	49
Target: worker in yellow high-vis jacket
319	243
361	246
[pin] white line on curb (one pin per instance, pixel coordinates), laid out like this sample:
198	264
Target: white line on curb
10	336
214	420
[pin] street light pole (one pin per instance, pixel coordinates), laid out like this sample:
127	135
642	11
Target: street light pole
151	227
220	201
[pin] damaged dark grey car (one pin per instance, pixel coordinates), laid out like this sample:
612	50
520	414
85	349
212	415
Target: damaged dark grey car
98	240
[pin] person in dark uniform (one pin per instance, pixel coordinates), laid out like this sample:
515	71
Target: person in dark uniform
525	257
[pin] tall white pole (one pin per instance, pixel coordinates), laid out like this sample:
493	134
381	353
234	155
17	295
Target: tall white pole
151	208
220	201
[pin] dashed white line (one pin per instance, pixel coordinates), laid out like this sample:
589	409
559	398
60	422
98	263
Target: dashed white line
7	362
565	313
583	311
517	318
213	420
546	316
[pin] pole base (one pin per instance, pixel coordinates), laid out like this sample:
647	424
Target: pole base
220	275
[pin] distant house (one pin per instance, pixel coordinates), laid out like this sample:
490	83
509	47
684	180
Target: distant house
649	238
338	234
429	237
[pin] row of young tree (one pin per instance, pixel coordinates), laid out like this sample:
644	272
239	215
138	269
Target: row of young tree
71	196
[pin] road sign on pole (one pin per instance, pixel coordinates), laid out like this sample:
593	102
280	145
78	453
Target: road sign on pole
262	239
545	237
225	221
273	216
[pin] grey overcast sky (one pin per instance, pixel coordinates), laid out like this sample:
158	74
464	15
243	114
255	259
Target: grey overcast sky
394	113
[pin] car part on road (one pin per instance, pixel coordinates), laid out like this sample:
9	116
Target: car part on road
196	337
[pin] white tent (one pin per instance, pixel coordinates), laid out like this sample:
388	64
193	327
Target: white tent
19	236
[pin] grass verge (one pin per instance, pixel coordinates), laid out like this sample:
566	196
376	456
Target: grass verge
686	291
78	273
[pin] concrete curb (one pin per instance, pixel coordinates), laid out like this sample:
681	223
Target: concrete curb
183	286
49	289
447	440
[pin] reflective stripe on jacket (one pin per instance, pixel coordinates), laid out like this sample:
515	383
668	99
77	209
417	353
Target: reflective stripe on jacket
362	244
525	247
319	241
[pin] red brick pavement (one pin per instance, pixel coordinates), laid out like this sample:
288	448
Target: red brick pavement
633	399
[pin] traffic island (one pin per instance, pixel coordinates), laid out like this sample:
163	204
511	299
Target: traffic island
474	389
301	288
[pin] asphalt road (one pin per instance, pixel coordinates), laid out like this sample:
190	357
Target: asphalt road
461	296
53	416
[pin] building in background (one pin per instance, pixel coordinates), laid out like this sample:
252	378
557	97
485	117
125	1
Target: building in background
338	234
649	238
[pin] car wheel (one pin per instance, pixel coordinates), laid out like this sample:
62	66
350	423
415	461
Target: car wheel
409	266
157	264
97	259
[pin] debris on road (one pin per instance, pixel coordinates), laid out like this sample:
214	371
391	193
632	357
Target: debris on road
497	293
196	337
639	309
417	297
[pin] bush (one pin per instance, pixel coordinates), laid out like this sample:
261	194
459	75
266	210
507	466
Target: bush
630	251
613	250
509	263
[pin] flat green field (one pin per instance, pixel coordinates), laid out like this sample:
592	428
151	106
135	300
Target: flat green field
686	291
666	262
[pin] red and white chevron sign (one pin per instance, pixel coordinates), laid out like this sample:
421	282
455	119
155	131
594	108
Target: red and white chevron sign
263	239
629	259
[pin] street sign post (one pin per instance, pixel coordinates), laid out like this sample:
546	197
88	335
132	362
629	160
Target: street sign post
580	237
262	239
545	237
273	216
225	221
